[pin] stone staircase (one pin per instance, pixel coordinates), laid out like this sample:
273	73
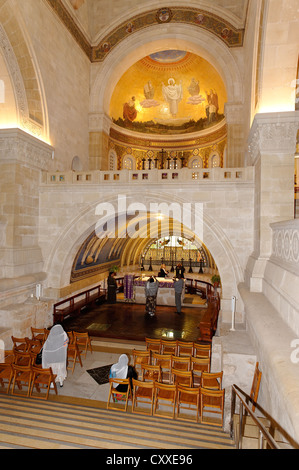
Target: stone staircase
36	424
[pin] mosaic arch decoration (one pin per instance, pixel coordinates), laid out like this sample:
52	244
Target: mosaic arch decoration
221	28
169	92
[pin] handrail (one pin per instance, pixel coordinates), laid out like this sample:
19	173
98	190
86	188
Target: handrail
263	432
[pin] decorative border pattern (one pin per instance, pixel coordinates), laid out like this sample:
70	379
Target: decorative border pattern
285	245
231	36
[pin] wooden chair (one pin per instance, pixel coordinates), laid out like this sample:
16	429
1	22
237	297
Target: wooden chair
165	394
153	344
73	356
19	344
201	350
164	361
117	396
71	337
42	379
83	341
255	385
198	366
185	348
8	356
211	401
182	377
212	380
143	392
22	375
150	372
22	358
180	362
38	334
34	345
188	398
168	347
6	376
140	357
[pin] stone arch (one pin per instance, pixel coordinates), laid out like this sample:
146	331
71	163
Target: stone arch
25	76
60	260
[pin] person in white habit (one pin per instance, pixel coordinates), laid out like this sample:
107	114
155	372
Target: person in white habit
122	370
55	353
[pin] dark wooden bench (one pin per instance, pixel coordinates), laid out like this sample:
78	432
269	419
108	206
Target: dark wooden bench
74	304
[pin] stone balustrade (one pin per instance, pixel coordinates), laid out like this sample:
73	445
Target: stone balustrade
169	176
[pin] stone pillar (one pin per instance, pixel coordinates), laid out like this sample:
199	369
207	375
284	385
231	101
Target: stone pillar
22	157
99	127
235	135
272	142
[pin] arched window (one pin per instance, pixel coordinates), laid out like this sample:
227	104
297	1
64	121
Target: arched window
112	161
195	162
128	163
214	160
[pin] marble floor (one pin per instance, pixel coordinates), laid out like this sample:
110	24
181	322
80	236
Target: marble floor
80	383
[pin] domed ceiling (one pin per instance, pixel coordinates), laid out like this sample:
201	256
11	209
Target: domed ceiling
169	92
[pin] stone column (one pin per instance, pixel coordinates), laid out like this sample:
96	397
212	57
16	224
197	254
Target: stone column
235	135
99	127
272	142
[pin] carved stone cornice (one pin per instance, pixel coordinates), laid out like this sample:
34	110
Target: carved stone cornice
273	134
17	146
99	122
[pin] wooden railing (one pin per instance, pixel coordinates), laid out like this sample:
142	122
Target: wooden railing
74	304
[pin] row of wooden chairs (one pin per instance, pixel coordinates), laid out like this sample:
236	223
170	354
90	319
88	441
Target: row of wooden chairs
79	343
166	362
188	403
178	348
19	370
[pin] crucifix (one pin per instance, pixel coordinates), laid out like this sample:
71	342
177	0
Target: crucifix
162	153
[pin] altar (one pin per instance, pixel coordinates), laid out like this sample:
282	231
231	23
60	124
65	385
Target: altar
166	292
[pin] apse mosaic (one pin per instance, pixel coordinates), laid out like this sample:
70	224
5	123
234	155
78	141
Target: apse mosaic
169	92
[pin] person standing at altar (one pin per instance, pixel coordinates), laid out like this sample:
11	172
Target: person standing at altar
179	270
163	272
151	290
112	287
178	289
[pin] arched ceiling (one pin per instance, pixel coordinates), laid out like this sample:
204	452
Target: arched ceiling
99	27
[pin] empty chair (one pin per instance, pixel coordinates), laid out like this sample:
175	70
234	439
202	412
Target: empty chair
83	341
201	350
180	362
185	348
42	380
73	356
19	344
164	361
198	366
150	372
182	377
211	401
153	344
212	380
165	395
22	376
139	358
168	347
117	397
143	392
188	398
6	376
22	358
38	334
